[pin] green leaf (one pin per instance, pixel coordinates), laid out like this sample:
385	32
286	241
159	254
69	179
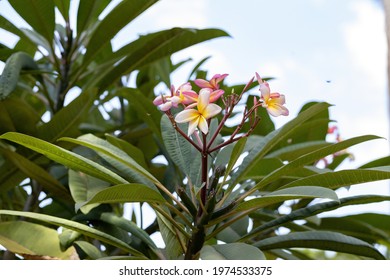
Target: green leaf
231	251
376	220
341	178
294	151
235	231
63	6
179	149
312	157
272	139
376	163
34	171
128	226
172	237
65	157
322	240
30	239
127	193
65	121
89	249
10	76
145	109
152	47
83	187
16	114
287	194
39	14
317	209
129	149
119	17
86	230
116	158
88	12
236	153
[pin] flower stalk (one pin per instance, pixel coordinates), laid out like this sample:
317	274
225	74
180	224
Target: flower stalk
198	111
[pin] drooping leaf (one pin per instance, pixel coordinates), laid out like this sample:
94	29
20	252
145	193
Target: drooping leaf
132	151
231	251
33	240
323	240
116	158
86	230
128	226
65	157
10	76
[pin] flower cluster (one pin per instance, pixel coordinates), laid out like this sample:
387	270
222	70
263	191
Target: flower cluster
200	107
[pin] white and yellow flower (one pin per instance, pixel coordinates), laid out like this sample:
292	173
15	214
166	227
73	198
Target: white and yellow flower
197	118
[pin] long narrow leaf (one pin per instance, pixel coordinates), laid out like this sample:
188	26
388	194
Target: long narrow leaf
311	157
86	230
323	240
127	193
116	157
119	17
317	209
65	157
287	194
333	180
39	14
152	47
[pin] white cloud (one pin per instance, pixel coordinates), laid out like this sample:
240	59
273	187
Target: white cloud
366	41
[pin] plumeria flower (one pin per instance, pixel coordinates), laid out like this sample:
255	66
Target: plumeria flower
198	118
184	95
213	83
273	102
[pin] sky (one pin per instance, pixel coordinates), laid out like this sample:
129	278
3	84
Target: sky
322	50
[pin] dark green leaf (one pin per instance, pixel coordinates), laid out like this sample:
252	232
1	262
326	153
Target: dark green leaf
10	76
64	157
120	16
39	14
231	251
322	240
